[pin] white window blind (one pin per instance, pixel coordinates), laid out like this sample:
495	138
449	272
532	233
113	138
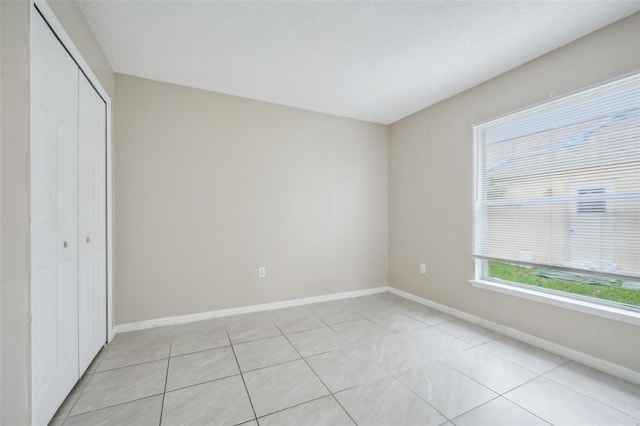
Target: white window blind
558	184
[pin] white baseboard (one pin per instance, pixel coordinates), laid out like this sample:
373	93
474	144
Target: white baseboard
572	354
182	319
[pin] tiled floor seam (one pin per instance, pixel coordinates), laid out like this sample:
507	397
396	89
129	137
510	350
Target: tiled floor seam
249	341
90	375
103	349
506	357
342	322
199	351
114	405
287	408
345	322
217	379
502	396
321	381
270	365
473	345
522	366
482	384
420	398
163	394
474	408
585	395
525	409
344	409
434	324
74	402
301	331
246	389
322	321
363	318
130	365
413	318
201	383
166	379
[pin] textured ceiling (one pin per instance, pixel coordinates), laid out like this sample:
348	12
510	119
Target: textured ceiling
374	61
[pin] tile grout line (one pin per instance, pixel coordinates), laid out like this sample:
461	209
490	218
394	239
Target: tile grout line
216	379
130	365
170	356
473	345
393	375
267	366
287	408
520	406
158	394
498	394
343	322
501	356
114	405
536	375
476	407
200	351
248	341
190	353
319	379
243	381
420	398
204	382
90	376
544	376
105	371
166	379
66	416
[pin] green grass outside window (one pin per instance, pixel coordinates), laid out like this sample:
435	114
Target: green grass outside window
519	274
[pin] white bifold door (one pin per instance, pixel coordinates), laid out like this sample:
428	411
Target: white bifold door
68	226
92	184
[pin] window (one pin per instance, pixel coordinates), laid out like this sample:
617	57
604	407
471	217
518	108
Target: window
557	196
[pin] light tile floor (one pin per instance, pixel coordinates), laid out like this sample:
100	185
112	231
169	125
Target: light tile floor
373	360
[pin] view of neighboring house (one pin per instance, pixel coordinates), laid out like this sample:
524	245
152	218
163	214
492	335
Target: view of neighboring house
570	200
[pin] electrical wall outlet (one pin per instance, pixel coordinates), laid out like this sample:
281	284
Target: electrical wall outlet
423	268
262	272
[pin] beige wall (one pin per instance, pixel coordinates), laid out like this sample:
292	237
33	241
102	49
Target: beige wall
1	71
210	187
73	21
430	193
14	203
14	126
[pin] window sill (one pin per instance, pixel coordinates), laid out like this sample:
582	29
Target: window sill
609	312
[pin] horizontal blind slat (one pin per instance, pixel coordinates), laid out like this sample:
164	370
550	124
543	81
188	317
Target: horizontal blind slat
559	183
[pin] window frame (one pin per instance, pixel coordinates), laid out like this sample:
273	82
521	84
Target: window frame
599	307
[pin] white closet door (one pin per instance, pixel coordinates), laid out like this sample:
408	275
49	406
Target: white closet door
92	223
54	222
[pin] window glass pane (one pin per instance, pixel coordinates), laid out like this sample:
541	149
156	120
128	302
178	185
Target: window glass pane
557	194
586	285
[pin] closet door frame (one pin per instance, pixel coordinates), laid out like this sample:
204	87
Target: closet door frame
41	7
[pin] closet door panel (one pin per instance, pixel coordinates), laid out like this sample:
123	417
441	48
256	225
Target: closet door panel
54	216
43	222
92	223
67	213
